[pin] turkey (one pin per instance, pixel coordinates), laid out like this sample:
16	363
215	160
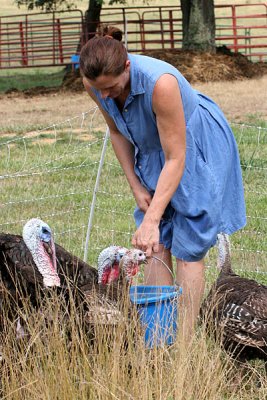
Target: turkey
25	263
116	262
236	307
116	267
35	258
32	265
108	264
130	263
27	260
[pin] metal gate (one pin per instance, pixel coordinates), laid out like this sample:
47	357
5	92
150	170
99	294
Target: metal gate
50	39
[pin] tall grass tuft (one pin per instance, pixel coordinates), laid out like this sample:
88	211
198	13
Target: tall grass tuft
59	358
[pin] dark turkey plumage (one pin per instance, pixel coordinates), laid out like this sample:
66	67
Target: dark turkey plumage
236	308
19	278
16	264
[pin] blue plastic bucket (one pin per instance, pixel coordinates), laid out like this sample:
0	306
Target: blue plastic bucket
157	308
75	59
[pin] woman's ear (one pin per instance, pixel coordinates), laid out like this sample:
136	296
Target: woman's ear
127	65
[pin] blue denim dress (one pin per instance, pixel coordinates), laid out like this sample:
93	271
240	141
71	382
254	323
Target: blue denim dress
210	197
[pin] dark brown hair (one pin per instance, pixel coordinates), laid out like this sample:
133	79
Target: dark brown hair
104	54
110	30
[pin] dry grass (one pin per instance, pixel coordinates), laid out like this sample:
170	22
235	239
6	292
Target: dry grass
240	101
40	111
55	361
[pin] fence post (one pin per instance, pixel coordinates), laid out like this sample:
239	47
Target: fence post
92	208
22	44
60	41
54	39
142	33
234	28
125	32
26	40
248	42
171	29
0	43
161	28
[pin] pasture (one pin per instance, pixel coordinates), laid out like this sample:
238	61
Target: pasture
50	148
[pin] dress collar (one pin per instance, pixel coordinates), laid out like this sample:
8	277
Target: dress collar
136	84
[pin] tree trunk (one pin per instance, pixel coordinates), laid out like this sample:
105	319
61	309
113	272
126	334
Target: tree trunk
91	22
198	25
92	17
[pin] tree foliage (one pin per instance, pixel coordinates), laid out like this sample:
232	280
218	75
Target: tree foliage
58	5
47	5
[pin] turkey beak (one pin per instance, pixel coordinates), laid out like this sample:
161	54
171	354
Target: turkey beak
145	260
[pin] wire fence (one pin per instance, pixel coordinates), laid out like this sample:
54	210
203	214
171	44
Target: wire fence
51	174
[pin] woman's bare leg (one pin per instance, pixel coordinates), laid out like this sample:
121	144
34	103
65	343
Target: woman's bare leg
191	277
156	273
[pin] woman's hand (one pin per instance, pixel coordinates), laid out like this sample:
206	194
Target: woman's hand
146	237
142	197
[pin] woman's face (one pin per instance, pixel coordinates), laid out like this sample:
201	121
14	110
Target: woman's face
112	86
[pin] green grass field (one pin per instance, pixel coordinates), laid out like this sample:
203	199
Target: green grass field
51	174
22	79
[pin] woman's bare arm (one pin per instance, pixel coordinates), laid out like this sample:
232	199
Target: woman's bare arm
168	107
124	151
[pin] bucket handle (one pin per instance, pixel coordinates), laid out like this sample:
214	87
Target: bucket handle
168	268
